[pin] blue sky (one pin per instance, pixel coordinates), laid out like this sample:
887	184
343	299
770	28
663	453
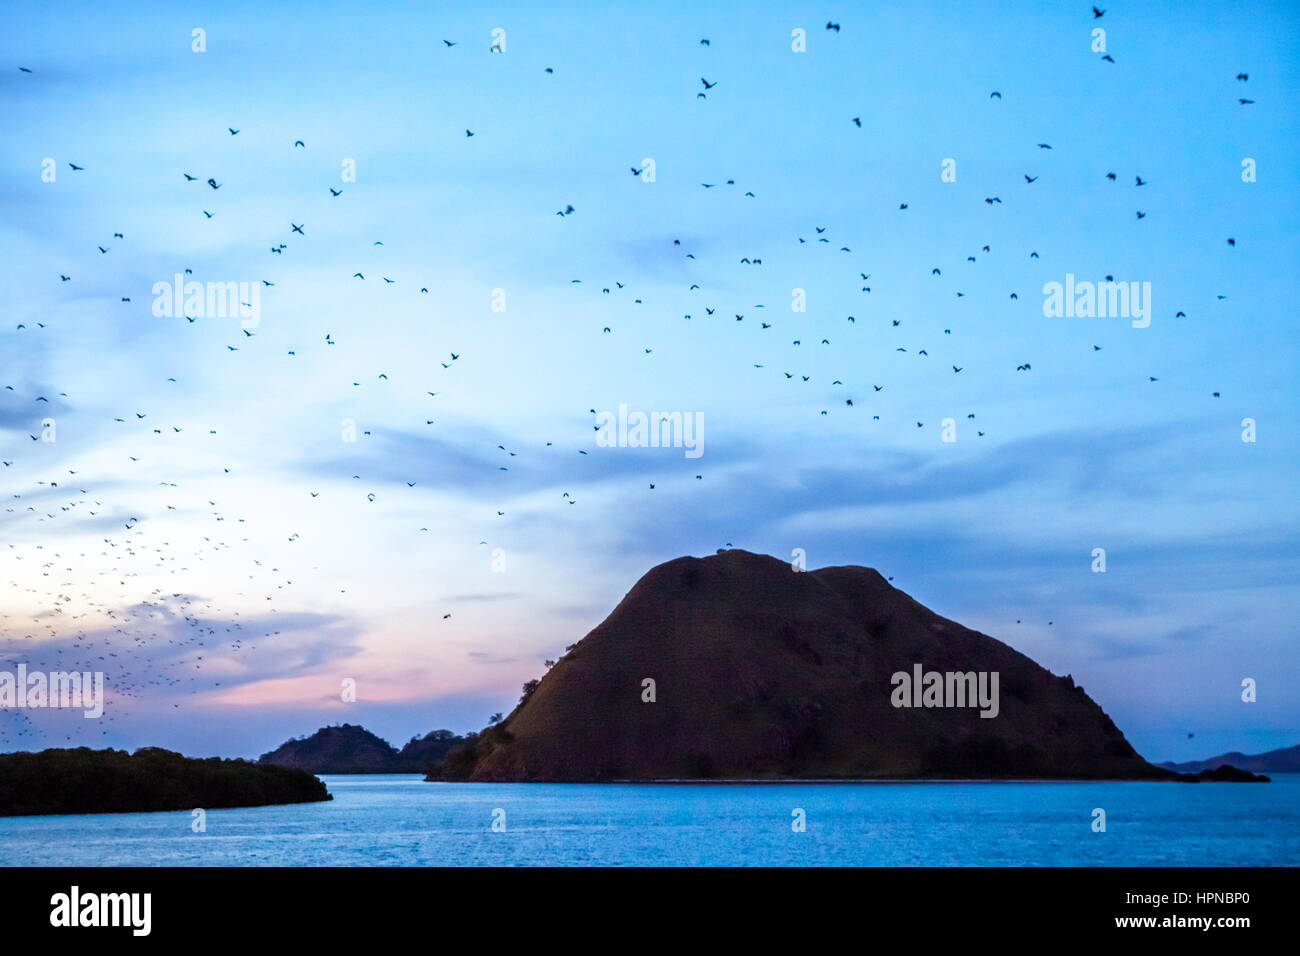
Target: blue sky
230	610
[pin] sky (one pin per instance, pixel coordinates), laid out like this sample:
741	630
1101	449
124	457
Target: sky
185	513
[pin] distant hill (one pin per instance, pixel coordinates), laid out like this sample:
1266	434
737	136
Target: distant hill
349	748
761	671
346	748
82	780
1285	760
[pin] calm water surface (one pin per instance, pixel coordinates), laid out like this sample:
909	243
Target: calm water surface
401	820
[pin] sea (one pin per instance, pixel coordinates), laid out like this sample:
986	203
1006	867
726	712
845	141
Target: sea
401	820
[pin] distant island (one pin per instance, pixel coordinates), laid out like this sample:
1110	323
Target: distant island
82	780
348	748
1285	760
737	666
1225	773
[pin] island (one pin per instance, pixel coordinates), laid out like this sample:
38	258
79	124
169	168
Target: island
741	666
1285	760
82	780
349	748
